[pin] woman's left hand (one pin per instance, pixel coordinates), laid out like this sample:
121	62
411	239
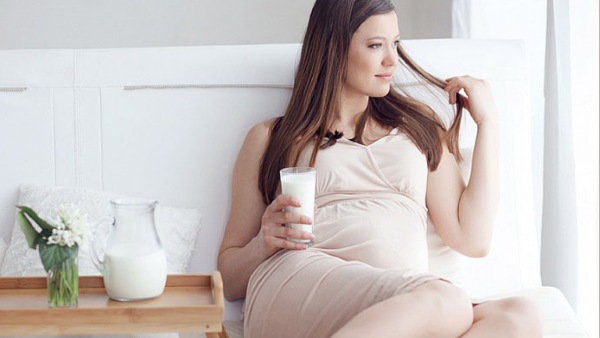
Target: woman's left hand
479	100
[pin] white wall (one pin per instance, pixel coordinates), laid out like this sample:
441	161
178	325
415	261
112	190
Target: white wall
423	19
26	24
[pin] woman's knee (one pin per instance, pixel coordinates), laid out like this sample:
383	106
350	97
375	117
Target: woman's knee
520	316
451	308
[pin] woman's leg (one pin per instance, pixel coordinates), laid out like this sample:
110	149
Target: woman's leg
510	317
434	309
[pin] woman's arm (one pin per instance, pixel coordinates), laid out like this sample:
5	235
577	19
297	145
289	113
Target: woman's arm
254	231
462	215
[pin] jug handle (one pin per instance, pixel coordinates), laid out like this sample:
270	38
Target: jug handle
99	262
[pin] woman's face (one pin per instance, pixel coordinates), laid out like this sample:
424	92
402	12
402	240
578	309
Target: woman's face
372	57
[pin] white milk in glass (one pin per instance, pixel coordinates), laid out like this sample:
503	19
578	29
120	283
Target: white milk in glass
300	183
133	274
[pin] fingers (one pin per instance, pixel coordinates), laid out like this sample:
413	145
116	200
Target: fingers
453	86
280	237
477	97
283	201
276	211
275	235
460	81
465	83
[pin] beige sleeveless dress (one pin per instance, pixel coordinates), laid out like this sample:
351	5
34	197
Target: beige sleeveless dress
370	242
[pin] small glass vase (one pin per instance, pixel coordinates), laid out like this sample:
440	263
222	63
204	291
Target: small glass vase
63	283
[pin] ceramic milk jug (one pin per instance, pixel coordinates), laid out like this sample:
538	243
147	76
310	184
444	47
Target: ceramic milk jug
134	266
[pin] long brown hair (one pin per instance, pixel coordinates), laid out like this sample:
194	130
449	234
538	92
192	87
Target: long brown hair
318	86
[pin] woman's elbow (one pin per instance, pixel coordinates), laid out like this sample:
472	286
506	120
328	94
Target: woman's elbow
231	295
477	251
230	291
476	248
476	239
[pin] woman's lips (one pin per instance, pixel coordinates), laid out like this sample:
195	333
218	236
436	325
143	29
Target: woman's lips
387	77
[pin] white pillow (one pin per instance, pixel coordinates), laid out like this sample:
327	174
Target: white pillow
177	228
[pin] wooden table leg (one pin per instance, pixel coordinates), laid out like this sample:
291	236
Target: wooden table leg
222	334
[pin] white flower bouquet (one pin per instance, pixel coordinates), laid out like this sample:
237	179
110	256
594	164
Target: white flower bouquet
58	242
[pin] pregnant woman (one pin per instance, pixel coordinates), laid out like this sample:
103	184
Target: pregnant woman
385	162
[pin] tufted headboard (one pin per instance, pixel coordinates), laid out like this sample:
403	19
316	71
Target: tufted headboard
167	123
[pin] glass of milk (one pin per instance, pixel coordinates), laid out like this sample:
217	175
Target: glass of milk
300	183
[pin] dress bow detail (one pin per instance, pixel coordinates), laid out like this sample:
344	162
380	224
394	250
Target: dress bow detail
331	138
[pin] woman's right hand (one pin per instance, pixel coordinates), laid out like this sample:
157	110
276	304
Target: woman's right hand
274	235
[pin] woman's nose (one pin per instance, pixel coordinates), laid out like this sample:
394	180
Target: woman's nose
391	57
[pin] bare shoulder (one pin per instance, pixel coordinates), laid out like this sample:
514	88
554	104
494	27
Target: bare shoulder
259	133
256	142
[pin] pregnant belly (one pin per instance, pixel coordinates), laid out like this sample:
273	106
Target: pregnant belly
382	233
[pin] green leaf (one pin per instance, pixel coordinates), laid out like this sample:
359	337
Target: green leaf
37	219
54	255
31	235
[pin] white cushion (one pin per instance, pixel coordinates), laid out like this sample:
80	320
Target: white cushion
177	228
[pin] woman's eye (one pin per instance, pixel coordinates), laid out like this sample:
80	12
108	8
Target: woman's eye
375	45
396	43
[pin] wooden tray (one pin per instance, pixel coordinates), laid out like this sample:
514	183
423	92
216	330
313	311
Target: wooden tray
190	303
